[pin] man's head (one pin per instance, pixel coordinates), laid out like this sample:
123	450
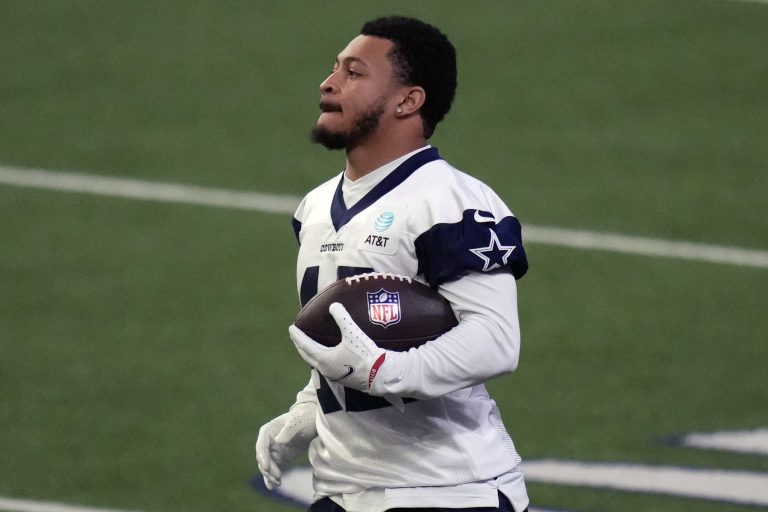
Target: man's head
421	55
397	68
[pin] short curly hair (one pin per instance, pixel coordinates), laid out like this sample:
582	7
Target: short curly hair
422	55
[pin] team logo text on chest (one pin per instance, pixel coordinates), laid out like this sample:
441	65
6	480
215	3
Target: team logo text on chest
335	247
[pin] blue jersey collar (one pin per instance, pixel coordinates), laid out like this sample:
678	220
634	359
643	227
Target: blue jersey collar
340	215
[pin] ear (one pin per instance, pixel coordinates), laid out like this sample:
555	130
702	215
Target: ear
413	99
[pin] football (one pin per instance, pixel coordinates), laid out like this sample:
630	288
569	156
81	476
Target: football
396	312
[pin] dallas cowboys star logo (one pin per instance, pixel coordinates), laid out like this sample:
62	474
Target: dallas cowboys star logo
495	255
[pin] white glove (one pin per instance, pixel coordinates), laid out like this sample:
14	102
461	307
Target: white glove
353	363
283	439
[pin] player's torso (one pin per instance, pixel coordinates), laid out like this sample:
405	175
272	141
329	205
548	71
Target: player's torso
443	441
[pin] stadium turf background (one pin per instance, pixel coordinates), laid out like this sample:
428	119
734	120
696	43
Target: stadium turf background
143	344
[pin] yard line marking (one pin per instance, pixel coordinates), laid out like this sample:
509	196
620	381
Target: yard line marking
146	190
594	240
286	204
743	487
17	505
740	441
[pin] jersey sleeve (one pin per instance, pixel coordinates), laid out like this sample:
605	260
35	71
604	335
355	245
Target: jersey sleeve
479	241
308	394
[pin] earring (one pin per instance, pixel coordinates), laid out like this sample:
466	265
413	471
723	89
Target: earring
399	110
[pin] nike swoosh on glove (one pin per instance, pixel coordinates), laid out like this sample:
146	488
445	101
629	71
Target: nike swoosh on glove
283	439
354	362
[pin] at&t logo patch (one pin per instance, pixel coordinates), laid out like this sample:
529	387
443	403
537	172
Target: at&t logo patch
384	221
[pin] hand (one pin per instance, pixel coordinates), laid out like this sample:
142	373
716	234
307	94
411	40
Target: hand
354	362
283	439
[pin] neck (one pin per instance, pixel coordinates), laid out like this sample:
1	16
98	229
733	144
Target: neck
371	155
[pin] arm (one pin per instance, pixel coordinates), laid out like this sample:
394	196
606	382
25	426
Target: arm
485	344
287	436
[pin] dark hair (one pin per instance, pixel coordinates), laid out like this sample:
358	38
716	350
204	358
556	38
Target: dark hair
422	55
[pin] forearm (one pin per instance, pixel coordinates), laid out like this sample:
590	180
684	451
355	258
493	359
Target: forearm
307	395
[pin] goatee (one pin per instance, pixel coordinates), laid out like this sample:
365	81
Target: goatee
363	127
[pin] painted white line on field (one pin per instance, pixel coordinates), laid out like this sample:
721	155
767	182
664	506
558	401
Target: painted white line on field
17	505
286	204
594	240
741	441
743	487
146	190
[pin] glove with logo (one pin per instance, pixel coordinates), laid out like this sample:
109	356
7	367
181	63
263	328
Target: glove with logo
283	439
354	362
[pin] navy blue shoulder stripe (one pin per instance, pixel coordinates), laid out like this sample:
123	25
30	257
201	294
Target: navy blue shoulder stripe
340	215
296	228
475	243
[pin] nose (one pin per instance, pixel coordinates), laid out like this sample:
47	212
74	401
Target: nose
328	86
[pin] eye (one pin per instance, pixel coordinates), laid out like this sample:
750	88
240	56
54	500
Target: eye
353	74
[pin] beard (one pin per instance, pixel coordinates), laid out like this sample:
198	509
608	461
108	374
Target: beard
365	124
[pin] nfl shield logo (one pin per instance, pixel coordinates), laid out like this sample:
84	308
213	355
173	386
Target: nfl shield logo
384	307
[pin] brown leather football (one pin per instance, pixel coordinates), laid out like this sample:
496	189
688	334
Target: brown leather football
396	312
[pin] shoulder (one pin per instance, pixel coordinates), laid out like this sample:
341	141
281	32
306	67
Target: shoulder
463	226
447	193
314	205
316	198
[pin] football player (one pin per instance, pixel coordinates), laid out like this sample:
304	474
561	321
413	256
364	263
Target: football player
416	429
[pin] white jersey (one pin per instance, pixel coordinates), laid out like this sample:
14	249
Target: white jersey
431	222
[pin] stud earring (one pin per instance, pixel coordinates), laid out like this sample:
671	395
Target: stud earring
399	110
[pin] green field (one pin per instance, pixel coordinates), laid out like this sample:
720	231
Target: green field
142	344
